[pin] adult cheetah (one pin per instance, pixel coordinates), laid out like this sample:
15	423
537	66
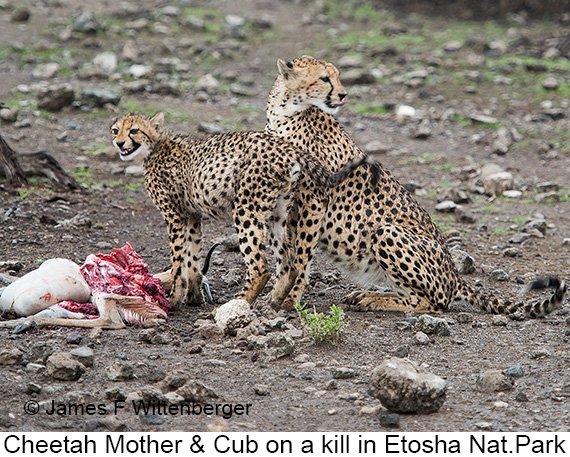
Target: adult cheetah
251	176
377	233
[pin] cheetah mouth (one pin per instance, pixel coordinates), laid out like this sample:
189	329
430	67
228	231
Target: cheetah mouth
336	105
128	151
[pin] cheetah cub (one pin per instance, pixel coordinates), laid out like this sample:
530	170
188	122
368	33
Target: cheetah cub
250	176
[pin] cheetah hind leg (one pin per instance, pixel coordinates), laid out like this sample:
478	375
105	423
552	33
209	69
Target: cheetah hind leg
377	301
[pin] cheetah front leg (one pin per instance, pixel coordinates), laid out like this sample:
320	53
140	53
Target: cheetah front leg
185	236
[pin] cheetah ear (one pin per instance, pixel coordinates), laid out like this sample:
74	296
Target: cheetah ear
157	120
285	68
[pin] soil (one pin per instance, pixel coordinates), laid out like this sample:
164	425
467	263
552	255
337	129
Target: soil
296	396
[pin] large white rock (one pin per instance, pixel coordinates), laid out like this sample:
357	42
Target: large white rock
233	315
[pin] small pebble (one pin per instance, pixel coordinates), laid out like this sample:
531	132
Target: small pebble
390	420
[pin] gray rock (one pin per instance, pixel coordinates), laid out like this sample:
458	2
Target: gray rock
421	338
499	275
500	321
421	131
211	331
547	196
98	98
215	363
515	371
519	238
464	263
494	381
446	206
46	70
79	220
84	355
42	350
138	70
9	115
20	15
210	128
151	419
173	381
455	194
119	371
194	23
537	224
332	384
261	389
87	23
106	62
115	394
484	119
343	373
495	183
10	356
54	98
402	387
235	21
551	83
35	368
195	391
357	76
390	420
484	425
511	252
62	366
503	141
376	147
452	46
278	345
402	352
76	337
207	83
170	11
547	187
152	394
432	325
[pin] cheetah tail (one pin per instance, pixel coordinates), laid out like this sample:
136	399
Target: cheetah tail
534	308
363	161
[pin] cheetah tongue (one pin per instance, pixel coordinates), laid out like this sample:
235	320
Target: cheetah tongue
342	102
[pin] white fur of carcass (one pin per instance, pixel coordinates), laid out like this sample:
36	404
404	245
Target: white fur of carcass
54	281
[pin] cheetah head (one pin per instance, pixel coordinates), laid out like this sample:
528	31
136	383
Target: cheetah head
313	82
135	134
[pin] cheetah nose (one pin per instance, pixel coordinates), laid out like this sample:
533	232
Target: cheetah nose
120	144
341	96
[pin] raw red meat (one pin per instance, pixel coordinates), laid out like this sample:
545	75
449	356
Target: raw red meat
123	272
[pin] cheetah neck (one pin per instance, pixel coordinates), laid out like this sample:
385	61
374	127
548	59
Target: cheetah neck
283	109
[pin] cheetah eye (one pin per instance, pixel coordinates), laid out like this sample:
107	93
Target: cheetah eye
115	131
325	79
134	131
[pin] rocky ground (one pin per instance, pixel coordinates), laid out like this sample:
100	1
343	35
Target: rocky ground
481	139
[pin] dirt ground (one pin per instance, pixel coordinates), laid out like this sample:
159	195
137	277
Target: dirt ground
295	395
